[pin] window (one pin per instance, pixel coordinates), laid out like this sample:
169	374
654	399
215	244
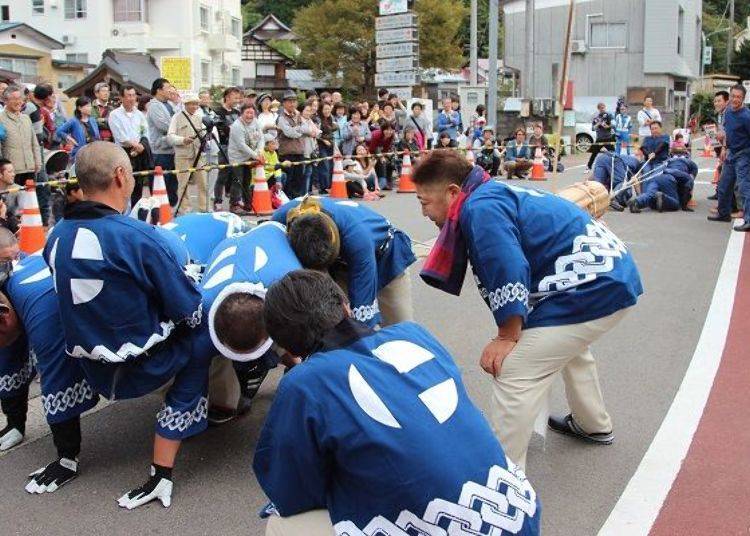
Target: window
608	35
235	76
64	81
79	57
680	31
237	28
130	10
4	13
27	68
265	69
204	18
205	73
75	9
37	7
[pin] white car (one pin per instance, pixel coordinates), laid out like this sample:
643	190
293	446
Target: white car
584	137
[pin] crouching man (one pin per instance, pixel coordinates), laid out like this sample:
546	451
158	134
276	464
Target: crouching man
374	432
363	252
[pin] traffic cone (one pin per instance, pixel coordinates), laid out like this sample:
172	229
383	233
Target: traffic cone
338	185
537	169
405	184
470	156
708	150
261	193
160	193
32	231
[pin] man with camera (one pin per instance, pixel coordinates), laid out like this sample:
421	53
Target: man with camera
187	134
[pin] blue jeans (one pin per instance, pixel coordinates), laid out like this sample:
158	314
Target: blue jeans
324	169
307	174
665	184
622	137
736	170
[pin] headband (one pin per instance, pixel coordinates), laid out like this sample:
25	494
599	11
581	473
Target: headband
254	289
311	205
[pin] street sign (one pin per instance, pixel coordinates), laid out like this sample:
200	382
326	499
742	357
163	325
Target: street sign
403	93
405	78
398	35
407	20
391	7
707	55
396	50
396	64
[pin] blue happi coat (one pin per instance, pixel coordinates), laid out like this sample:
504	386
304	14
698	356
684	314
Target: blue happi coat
16	368
65	391
541	257
374	251
203	232
377	428
246	262
128	309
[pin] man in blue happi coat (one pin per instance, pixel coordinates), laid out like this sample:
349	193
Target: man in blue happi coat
128	311
554	279
360	248
32	316
374	433
666	185
613	170
239	271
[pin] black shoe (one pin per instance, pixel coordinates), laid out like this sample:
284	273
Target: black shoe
659	201
218	416
567	426
714	197
633	206
617	207
744	228
716	217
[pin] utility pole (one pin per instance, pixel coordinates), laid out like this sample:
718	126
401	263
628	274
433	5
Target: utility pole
528	79
492	66
563	85
473	46
730	37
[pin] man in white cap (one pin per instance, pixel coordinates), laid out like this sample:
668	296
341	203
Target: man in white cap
187	134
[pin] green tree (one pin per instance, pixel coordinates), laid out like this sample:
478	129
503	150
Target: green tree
250	16
483	30
285	10
343	52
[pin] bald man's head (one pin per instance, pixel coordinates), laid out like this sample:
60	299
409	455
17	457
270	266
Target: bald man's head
97	165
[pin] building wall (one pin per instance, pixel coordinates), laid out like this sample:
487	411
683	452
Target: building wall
172	28
44	60
648	60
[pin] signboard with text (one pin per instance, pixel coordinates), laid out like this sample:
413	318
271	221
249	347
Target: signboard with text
396	64
178	71
407	20
392	7
403	78
398	35
395	50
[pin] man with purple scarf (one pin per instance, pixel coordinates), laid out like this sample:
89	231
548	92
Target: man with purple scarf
554	279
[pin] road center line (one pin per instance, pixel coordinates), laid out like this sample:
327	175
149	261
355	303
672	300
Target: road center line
639	505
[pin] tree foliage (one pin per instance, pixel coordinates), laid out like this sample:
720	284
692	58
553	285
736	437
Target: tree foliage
343	51
715	26
483	30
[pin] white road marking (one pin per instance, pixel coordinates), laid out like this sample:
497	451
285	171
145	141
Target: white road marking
640	503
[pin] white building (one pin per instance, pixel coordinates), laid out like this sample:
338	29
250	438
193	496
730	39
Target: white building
208	32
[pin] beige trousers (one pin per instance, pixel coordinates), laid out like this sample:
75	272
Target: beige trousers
223	386
314	523
394	299
198	179
529	371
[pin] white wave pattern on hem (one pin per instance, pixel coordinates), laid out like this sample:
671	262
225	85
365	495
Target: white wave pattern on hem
365	313
499	507
509	292
69	398
127	350
182	420
11	382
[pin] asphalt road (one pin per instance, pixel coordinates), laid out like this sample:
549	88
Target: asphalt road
641	364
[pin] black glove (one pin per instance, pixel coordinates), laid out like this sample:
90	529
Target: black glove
51	478
159	486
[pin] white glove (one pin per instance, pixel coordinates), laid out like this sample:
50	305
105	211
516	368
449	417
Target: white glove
51	478
10	439
155	488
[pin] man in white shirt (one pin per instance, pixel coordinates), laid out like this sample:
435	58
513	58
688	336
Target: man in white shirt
646	116
130	131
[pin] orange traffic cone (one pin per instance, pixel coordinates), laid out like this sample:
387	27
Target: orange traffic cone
261	193
338	185
708	150
470	156
405	184
160	193
537	169
32	231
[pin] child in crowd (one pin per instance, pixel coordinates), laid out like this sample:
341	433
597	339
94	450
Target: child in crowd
358	180
678	146
274	172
